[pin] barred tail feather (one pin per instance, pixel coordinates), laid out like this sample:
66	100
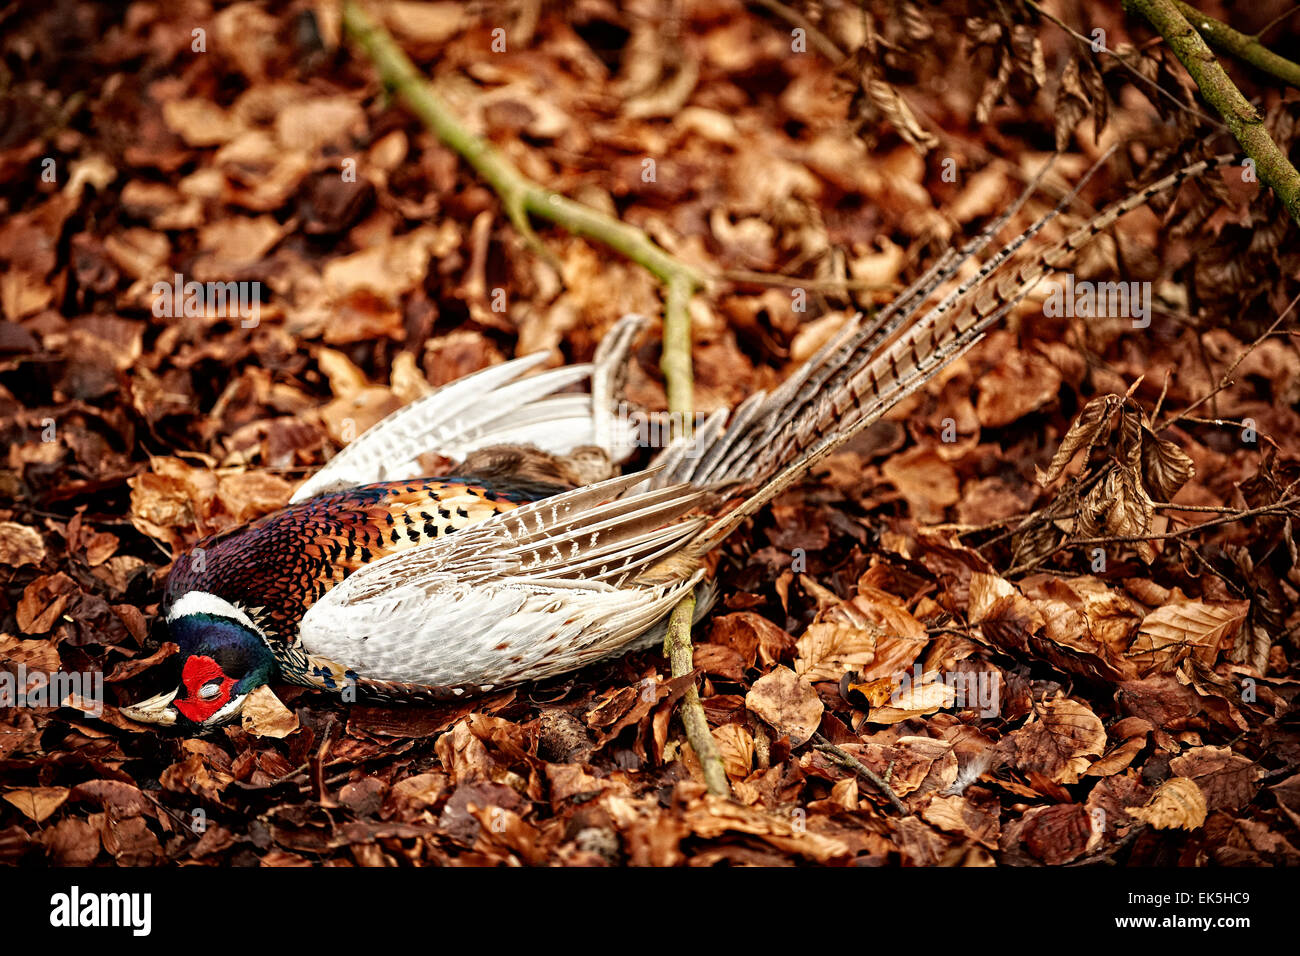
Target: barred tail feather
867	369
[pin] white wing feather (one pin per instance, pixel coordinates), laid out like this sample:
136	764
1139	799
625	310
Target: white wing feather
525	595
518	628
494	406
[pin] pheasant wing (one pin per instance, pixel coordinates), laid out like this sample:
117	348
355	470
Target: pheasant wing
494	406
531	593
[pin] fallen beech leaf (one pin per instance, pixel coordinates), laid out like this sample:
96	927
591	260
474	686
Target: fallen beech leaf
265	716
200	122
43	602
37	803
120	799
927	481
250	495
20	545
72	842
914	702
736	745
958	815
827	650
37	655
1165	466
713	816
788	702
1020	384
1170	633
1177	803
1055	834
1058	740
1083	433
1227	780
425	23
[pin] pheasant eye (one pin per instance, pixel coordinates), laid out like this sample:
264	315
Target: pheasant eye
210	690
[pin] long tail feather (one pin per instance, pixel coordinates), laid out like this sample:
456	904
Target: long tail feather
856	379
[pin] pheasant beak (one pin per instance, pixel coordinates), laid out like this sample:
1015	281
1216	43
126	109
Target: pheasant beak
155	710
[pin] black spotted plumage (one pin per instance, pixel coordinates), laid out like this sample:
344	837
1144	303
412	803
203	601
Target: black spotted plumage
280	565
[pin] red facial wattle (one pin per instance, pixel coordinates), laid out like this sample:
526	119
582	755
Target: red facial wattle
198	671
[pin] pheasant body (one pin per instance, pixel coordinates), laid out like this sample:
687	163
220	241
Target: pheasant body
278	567
519	566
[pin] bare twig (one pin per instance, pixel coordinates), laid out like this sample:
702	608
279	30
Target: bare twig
824	44
677	648
520	196
1276	20
1282	505
1226	380
850	762
1137	74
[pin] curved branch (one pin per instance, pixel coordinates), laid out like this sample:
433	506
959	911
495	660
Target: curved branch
1248	49
521	197
1219	91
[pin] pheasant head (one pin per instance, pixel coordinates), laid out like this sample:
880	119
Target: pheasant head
224	656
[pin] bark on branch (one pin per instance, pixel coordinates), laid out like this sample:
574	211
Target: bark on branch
1246	48
1220	92
522	197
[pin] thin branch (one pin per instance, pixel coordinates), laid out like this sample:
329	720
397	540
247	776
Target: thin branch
677	648
680	386
850	762
1275	21
1219	91
824	44
1282	505
1248	49
1226	380
1137	74
679	379
522	197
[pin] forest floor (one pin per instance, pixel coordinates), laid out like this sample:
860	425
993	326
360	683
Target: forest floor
1103	680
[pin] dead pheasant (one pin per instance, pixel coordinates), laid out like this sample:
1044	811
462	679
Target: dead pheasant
518	565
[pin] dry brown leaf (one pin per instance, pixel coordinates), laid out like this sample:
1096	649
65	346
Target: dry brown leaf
1020	384
1228	780
1165	466
200	122
265	716
43	602
20	545
826	651
1058	739
736	745
713	816
1178	802
956	814
1084	433
925	479
914	702
788	702
37	803
1169	634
